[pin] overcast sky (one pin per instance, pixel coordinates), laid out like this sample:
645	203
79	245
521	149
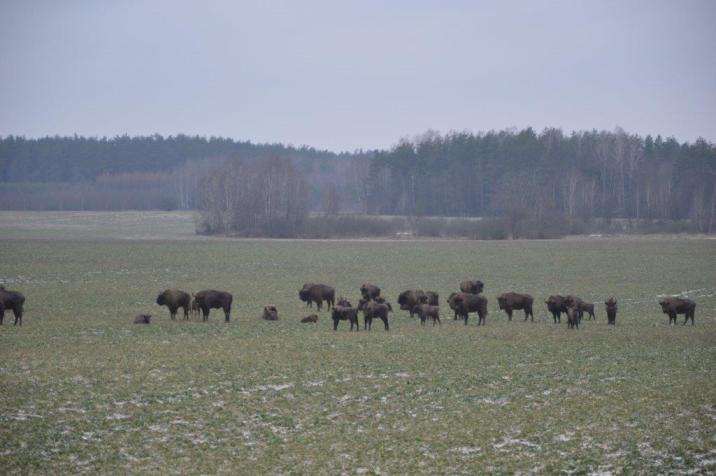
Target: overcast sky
344	75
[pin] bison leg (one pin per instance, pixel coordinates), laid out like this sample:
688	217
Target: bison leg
509	313
385	323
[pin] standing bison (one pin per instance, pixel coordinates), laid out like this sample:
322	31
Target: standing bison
369	291
472	287
11	300
611	306
674	305
427	310
511	301
341	313
175	299
465	303
556	305
374	310
318	293
573	318
212	299
409	299
431	297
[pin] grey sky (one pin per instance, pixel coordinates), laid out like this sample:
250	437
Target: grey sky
358	74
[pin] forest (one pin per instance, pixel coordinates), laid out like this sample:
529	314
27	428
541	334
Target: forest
520	181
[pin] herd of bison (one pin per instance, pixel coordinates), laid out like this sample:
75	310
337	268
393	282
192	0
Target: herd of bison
424	304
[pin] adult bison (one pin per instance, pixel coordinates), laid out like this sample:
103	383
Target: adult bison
304	289
341	313
212	299
409	299
175	299
675	305
425	311
465	303
431	297
270	313
374	310
318	293
369	291
611	306
511	301
11	300
556	305
573	318
472	287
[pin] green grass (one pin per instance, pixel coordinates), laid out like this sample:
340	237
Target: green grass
82	389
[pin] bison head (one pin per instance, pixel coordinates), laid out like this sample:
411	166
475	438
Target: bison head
304	295
611	303
501	301
161	299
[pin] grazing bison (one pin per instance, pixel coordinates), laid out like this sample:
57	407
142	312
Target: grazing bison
582	307
573	318
341	313
427	310
409	299
556	305
212	299
472	287
430	297
611	305
310	319
142	318
465	303
270	313
175	299
11	300
511	301
374	310
675	305
318	293
369	291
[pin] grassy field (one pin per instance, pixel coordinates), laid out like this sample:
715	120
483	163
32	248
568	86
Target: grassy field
83	390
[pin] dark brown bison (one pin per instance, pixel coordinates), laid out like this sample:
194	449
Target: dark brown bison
381	300
369	291
582	307
212	299
409	299
318	293
465	303
425	311
511	301
343	302
341	313
306	287
374	310
452	305
430	297
611	306
142	318
556	305
573	318
270	313
675	305
310	319
472	287
175	299
11	300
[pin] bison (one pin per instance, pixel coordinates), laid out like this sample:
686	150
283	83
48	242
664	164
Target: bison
511	301
369	291
194	308
310	319
318	293
452	305
341	313
465	303
11	300
611	306
675	305
270	313
304	289
374	310
430	297
409	299
556	305
343	302
427	310
581	306
175	299
472	287
573	317
212	299
142	318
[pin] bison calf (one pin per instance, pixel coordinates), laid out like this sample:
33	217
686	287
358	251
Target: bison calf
573	318
341	313
142	318
270	313
310	319
374	310
426	310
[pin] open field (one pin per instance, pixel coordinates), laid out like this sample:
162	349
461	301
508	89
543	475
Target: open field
83	390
